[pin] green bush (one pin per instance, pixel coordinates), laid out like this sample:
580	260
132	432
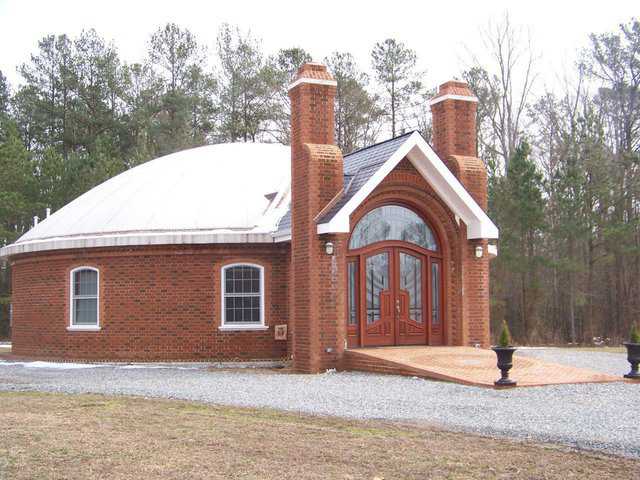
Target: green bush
505	336
634	337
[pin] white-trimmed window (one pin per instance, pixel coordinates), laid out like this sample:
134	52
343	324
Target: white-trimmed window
85	299
242	297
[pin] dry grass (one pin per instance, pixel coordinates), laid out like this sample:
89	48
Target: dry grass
47	436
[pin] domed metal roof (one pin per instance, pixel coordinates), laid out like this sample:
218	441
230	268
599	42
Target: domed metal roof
228	193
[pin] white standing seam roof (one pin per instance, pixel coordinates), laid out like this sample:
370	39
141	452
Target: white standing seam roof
232	193
212	194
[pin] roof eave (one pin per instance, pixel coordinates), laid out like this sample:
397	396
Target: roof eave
137	239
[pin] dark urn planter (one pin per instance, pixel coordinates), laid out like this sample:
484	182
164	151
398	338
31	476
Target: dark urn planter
633	355
505	362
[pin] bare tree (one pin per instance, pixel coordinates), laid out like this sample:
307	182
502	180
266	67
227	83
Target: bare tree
508	83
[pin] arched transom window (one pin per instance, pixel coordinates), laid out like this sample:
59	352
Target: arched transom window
392	222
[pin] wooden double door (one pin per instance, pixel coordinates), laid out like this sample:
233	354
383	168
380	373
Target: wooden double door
394	298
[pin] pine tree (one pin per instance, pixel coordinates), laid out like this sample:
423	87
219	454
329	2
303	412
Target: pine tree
357	115
394	68
517	205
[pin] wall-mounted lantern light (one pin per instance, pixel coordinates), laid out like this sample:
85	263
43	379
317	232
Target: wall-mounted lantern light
328	248
479	251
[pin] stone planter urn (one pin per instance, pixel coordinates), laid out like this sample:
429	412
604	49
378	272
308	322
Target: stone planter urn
505	362
633	356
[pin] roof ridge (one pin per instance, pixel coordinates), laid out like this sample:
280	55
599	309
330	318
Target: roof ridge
380	143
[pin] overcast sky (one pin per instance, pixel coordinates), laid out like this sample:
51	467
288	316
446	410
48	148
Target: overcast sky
440	32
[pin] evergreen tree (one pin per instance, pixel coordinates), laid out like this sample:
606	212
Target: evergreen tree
517	206
18	189
249	86
357	115
394	68
286	63
187	111
4	94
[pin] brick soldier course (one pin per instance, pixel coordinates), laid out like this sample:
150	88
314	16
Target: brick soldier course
162	299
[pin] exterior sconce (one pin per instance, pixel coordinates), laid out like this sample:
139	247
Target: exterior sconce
328	248
479	251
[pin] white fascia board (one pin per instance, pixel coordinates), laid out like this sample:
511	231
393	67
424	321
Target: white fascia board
451	96
340	222
451	191
436	173
282	236
315	81
135	239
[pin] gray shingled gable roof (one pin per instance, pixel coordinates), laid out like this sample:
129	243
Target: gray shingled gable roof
359	167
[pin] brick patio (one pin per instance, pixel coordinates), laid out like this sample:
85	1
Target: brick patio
466	365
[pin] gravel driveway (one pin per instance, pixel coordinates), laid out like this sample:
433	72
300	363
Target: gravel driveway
590	416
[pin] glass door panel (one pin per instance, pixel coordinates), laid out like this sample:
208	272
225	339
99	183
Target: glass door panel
411	283
411	326
378	313
436	295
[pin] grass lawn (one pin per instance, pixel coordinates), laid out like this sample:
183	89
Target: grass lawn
45	436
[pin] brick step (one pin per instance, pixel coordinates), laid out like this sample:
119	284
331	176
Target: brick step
364	363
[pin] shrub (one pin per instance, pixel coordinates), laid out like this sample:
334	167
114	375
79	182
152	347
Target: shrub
634	337
505	336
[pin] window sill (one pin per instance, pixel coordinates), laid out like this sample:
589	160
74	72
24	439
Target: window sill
84	328
232	328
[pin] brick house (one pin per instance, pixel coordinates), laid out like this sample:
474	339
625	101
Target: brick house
263	251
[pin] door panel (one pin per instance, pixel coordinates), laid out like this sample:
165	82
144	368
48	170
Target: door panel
378	321
410	299
353	286
436	297
394	297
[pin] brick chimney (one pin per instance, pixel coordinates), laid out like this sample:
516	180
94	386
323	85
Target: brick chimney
454	120
317	309
454	139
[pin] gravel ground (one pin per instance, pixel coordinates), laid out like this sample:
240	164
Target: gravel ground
606	362
588	416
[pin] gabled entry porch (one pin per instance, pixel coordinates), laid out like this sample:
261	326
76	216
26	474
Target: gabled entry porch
465	365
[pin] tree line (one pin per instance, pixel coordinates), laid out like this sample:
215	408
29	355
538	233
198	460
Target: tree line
563	164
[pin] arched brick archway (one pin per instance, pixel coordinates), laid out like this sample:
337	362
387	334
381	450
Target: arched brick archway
406	187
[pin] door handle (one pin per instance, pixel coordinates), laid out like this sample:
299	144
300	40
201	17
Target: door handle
398	306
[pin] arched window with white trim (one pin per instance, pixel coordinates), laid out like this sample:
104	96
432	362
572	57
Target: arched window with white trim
85	298
242	296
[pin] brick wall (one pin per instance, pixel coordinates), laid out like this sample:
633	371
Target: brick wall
155	304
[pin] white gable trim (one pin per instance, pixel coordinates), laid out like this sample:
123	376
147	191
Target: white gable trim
436	173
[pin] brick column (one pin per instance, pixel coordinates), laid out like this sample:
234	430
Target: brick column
454	120
317	279
454	140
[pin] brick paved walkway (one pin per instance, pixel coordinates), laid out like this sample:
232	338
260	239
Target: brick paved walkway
466	365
